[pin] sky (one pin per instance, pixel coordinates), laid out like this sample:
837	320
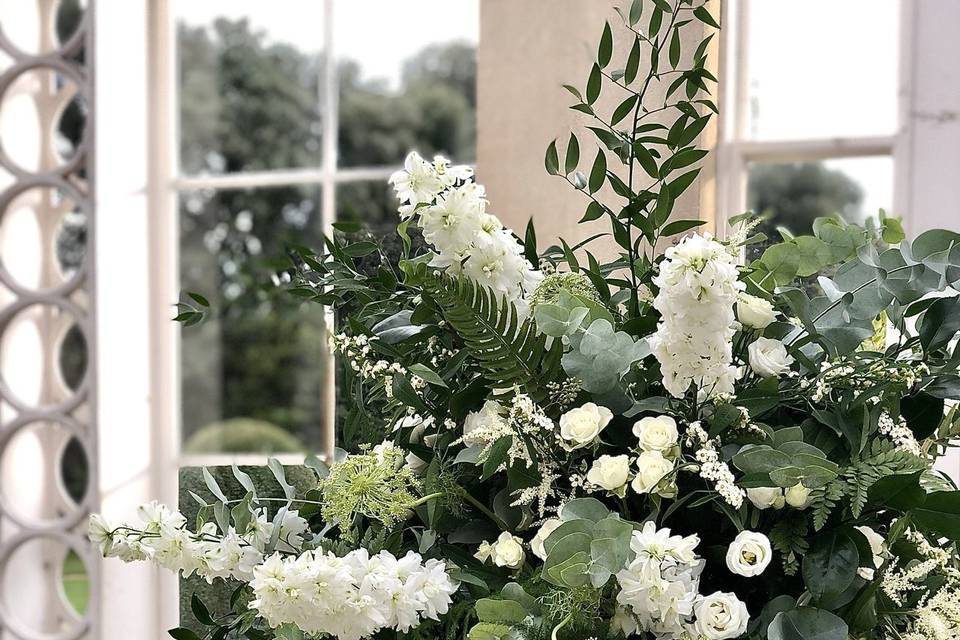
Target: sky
380	34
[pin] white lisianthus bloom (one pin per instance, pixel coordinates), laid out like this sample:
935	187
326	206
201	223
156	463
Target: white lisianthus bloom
656	433
749	554
610	473
720	616
766	497
797	496
579	427
769	357
877	548
548	527
651	469
755	312
508	551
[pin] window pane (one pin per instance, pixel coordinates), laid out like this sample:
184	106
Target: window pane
248	84
407	80
822	68
251	374
795	194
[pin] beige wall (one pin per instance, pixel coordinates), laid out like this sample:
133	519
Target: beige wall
528	49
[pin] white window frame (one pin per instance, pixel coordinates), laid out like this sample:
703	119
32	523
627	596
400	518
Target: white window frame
735	149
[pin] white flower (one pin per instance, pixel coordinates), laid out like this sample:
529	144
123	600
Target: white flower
877	548
651	469
478	423
797	496
656	433
582	425
766	497
769	357
453	223
508	551
610	472
548	527
749	554
418	181
754	312
720	616
100	533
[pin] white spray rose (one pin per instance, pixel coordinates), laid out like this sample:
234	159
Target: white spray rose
656	433
797	496
610	473
507	551
720	616
749	554
548	527
580	426
766	497
769	357
877	548
651	468
755	312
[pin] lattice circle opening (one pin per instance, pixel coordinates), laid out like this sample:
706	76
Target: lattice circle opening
40	27
35	371
43	238
45	478
43	118
34	604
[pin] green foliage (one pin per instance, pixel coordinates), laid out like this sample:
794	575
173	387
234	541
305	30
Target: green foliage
512	353
789	536
242	435
807	623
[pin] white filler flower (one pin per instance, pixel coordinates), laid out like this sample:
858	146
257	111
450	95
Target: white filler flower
749	554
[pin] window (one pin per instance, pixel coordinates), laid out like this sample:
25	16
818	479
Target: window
810	111
287	121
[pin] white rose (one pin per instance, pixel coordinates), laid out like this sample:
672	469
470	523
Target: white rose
548	527
478	424
749	554
651	468
657	433
610	472
797	496
769	357
766	497
507	551
755	312
720	616
877	548
582	425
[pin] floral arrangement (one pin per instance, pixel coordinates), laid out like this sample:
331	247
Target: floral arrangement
670	445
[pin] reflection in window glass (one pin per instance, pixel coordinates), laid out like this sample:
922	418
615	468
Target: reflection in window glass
822	69
251	375
248	85
793	195
415	91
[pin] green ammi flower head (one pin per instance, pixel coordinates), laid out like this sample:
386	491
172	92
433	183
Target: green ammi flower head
576	284
374	484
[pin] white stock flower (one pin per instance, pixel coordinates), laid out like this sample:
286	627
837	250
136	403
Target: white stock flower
610	473
418	181
656	433
453	223
699	285
877	548
651	469
749	554
755	312
536	544
798	496
769	357
579	427
766	497
720	616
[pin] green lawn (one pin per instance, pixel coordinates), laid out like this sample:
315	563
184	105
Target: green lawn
76	585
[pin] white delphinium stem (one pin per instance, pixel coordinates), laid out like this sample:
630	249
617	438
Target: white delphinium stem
451	210
698	290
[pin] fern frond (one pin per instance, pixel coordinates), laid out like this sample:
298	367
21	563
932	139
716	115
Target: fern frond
824	501
512	353
789	537
884	460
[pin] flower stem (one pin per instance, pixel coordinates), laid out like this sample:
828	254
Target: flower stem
563	623
425	499
483	509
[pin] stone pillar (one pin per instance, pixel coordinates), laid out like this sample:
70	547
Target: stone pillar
528	50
